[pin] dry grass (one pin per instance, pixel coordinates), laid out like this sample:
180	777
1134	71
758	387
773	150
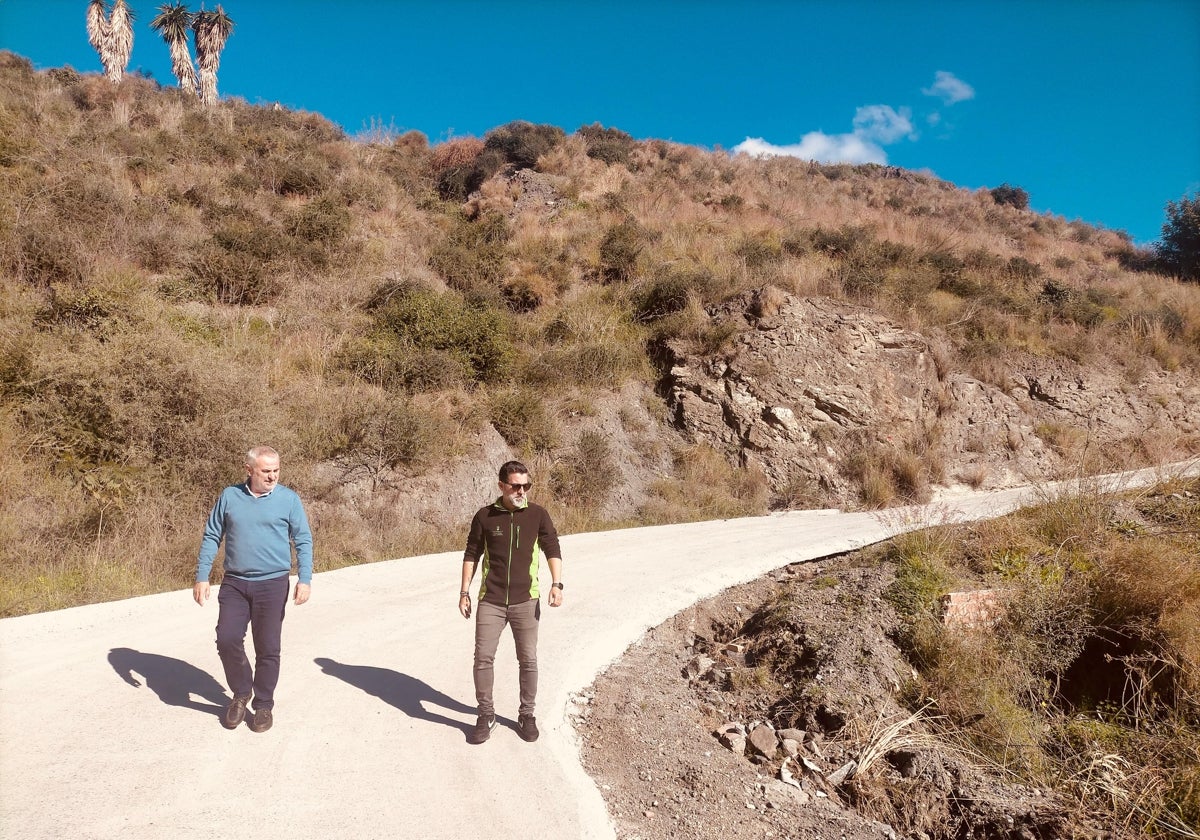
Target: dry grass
1089	682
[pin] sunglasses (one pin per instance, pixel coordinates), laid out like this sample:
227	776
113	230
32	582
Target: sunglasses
527	486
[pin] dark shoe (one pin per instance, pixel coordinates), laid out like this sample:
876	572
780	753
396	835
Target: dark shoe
484	725
235	712
527	728
262	721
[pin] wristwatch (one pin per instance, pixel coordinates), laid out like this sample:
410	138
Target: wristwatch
557	586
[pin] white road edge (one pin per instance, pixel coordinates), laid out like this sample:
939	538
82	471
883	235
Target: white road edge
109	713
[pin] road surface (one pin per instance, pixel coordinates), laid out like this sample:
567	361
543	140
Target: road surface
109	713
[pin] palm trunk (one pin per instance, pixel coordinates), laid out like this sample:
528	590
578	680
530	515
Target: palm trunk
181	64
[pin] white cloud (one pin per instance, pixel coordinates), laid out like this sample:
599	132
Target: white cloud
874	126
883	123
949	88
824	148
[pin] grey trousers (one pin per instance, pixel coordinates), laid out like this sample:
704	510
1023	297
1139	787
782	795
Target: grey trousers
489	623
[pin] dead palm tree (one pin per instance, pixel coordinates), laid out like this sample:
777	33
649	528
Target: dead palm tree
98	31
173	23
212	30
111	36
121	28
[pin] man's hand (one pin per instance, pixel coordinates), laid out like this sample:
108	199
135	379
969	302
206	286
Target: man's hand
464	605
555	596
200	592
303	590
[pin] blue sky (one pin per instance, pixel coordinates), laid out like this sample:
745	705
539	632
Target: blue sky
1092	107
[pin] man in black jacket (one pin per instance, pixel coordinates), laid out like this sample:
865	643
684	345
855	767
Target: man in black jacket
510	536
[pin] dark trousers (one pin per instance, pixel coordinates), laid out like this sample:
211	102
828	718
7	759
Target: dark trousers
258	604
490	620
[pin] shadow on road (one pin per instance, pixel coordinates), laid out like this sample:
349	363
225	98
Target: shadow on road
408	694
173	680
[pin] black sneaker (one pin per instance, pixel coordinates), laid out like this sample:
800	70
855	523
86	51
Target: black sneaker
484	725
262	720
527	728
235	712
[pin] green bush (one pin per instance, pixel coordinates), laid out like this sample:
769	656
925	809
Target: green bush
440	330
518	144
1020	268
1179	249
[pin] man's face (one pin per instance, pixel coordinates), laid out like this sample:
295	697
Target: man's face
263	474
516	490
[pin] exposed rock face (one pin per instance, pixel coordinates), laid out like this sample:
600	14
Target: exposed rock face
810	382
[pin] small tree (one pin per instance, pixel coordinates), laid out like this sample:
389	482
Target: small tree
1180	246
1010	195
111	35
212	30
173	22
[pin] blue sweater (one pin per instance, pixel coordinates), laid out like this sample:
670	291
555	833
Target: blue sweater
259	533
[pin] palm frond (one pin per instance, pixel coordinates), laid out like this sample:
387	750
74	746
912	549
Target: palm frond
173	22
97	26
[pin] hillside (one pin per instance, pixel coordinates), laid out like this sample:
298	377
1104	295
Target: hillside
665	333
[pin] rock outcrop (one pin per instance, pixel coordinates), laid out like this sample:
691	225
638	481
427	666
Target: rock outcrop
809	383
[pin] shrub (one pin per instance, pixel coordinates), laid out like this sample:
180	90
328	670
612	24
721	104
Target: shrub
473	257
594	365
661	297
378	435
232	277
410	319
521	143
522	419
1020	268
1179	249
619	251
308	175
1006	194
706	486
884	472
585	476
323	222
610	145
454	154
760	249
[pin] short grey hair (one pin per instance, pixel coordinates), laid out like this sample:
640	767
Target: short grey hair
258	452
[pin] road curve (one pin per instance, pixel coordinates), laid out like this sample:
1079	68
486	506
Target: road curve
109	713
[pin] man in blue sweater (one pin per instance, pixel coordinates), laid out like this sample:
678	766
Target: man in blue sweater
260	521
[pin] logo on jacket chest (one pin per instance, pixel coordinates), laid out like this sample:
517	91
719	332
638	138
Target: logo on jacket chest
496	531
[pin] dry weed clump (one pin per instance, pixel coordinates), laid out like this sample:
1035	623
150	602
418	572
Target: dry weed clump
706	486
885	472
1088	681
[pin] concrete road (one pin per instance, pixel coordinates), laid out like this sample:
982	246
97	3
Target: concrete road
109	722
